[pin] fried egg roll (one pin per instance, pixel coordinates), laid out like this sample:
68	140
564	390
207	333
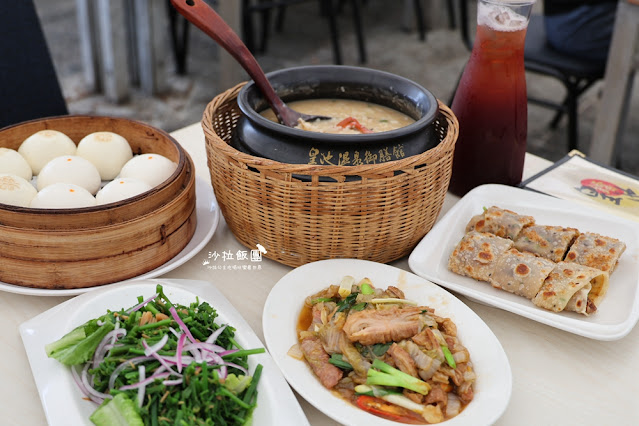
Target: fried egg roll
597	251
501	222
521	273
572	287
476	254
550	242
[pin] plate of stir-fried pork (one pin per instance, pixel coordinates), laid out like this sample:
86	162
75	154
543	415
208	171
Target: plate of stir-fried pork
367	343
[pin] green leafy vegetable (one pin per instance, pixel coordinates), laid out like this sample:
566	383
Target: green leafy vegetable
359	306
79	345
449	357
367	289
380	349
374	391
338	361
389	376
119	411
347	303
237	384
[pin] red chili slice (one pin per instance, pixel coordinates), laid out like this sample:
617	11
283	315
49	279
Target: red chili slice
389	411
353	124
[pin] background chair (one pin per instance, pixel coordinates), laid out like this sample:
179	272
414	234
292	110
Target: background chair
326	8
29	86
576	75
179	27
329	9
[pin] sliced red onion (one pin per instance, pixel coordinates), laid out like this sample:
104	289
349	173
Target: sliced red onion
145	381
142	388
183	326
197	355
128	363
178	351
185	360
158	357
83	389
172	382
209	347
117	327
223	372
109	338
175	333
212	358
89	388
138	306
213	337
239	367
150	350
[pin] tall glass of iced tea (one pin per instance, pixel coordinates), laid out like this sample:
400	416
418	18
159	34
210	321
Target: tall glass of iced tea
490	102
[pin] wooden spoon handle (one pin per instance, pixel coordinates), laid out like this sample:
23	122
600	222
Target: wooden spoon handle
206	19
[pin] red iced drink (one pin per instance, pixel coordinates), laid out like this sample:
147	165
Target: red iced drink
491	103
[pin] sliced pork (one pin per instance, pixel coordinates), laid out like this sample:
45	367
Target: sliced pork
317	358
402	360
372	326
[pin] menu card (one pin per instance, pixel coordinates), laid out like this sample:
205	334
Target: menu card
580	179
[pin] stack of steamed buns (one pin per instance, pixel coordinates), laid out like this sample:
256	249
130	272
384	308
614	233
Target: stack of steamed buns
48	171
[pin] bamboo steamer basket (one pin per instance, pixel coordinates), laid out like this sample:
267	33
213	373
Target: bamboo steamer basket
86	247
302	213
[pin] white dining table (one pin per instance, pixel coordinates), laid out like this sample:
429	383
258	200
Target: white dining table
558	378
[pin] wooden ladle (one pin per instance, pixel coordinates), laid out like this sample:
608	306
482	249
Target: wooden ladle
206	19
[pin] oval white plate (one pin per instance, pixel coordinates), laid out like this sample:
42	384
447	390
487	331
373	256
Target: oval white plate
208	216
283	306
63	402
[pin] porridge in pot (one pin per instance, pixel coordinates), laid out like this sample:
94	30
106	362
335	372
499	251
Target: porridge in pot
347	116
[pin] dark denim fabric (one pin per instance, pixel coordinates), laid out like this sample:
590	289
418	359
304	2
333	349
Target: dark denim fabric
584	32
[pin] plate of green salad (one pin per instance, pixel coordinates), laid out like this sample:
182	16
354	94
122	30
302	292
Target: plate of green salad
154	352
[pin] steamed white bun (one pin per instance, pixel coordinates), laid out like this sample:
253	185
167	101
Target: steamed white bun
150	168
107	151
13	163
70	169
43	146
120	189
63	196
15	190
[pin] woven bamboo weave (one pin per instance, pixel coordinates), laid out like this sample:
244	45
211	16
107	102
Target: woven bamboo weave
380	216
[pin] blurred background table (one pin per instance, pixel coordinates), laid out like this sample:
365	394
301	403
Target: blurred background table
623	61
558	378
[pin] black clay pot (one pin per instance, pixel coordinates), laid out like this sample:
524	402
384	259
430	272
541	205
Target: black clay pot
261	137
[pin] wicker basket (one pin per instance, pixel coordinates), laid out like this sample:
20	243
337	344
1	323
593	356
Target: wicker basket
380	216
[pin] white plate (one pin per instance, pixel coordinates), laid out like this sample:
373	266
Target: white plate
285	301
63	402
208	216
617	314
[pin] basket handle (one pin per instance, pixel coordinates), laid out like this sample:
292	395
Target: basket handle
206	19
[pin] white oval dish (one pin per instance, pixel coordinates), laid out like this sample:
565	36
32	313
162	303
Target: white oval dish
283	306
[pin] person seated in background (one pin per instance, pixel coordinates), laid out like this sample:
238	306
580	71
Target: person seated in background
581	28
